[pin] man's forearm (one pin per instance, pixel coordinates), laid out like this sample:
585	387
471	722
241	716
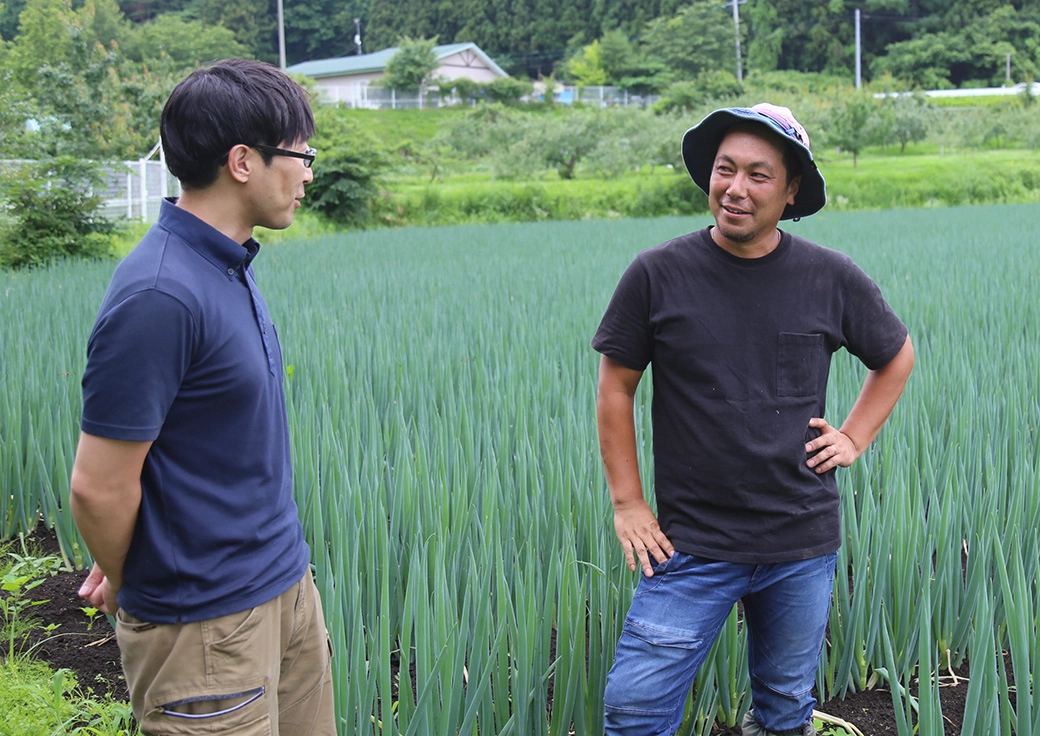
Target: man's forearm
107	527
881	390
615	416
617	444
105	496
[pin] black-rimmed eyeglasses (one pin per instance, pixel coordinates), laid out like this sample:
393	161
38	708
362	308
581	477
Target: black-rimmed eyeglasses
307	156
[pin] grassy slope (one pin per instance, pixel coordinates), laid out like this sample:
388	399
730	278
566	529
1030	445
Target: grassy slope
880	179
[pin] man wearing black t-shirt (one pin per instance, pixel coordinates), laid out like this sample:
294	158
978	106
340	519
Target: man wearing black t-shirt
739	322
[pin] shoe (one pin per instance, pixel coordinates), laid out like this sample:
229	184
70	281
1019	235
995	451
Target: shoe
751	727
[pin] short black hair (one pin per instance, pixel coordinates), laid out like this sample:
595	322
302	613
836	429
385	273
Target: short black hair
231	102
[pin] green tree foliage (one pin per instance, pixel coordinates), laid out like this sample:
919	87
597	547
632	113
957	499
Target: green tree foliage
324	29
250	22
345	171
766	39
141	11
719	87
912	118
16	107
52	213
586	67
853	124
412	65
602	142
618	56
508	90
505	90
925	62
637	138
173	43
44	32
482	132
9	11
462	90
971	49
562	140
698	39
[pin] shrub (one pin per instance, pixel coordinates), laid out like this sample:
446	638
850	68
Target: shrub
52	212
345	170
508	90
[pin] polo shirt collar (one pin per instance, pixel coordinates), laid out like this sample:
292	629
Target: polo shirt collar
217	248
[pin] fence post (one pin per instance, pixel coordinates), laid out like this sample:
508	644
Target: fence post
163	184
143	170
129	196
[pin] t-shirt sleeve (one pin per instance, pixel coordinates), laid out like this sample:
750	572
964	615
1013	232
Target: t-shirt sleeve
873	332
625	334
137	357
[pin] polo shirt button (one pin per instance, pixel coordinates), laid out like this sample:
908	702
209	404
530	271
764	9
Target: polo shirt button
231	272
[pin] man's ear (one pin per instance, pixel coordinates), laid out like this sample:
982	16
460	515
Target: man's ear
240	162
792	189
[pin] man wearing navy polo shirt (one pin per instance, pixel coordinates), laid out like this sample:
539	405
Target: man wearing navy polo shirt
182	483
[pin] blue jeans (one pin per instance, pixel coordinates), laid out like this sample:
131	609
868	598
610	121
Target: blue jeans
675	618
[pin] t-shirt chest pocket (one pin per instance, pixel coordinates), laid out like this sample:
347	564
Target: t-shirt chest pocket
798	360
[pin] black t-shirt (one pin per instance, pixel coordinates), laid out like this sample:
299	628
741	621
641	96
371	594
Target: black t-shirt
741	352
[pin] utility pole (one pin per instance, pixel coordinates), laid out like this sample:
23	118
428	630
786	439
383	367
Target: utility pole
859	68
281	37
736	28
357	35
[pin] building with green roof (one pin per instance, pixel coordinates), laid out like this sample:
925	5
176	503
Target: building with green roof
347	79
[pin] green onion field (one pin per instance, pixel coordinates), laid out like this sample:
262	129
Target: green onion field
442	389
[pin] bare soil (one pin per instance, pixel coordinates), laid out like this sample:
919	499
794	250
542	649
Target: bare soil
89	649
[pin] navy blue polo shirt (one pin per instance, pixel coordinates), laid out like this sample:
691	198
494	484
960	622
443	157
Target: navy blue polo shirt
184	355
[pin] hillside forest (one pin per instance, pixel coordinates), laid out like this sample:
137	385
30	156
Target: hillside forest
88	77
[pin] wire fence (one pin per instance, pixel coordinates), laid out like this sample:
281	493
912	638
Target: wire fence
130	190
365	96
134	189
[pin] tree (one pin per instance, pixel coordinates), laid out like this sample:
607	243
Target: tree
852	124
56	213
699	38
463	89
617	55
345	170
44	39
9	12
923	62
179	44
586	67
558	140
483	131
765	39
410	68
508	90
250	21
322	29
636	138
716	86
912	116
16	107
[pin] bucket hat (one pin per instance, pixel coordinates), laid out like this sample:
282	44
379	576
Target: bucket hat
701	142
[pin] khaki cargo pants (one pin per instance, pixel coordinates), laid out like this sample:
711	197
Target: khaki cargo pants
261	672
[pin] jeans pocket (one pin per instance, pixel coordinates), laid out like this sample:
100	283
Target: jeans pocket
661	570
658	636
